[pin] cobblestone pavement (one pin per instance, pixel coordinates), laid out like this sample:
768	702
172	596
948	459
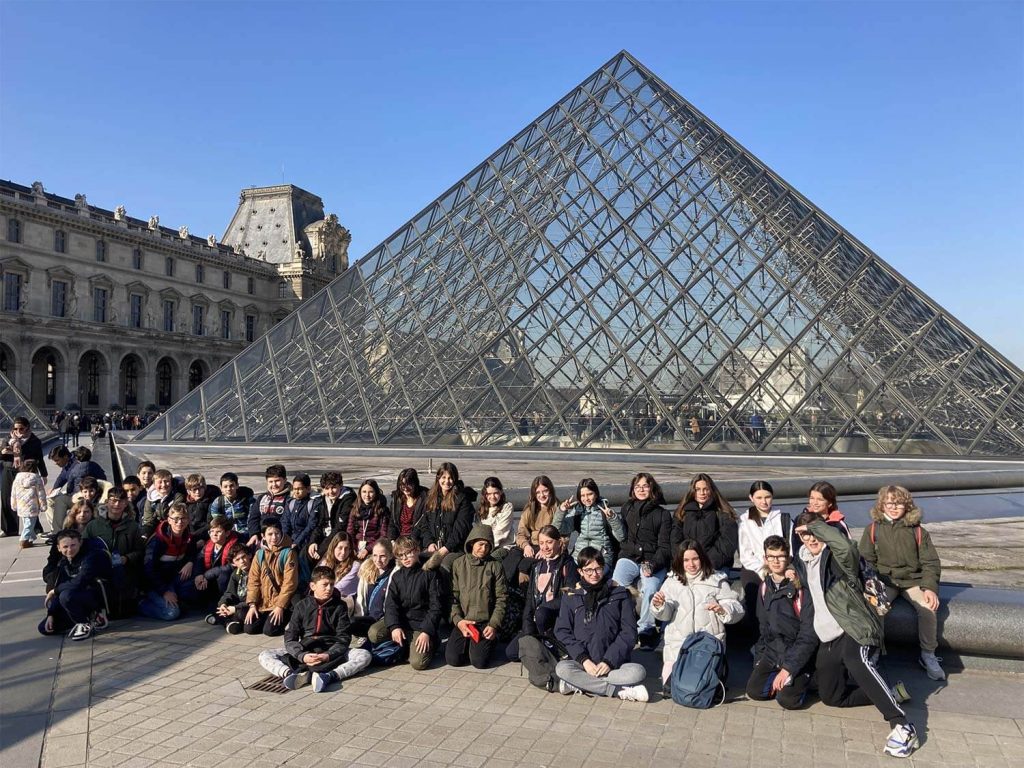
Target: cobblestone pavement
144	694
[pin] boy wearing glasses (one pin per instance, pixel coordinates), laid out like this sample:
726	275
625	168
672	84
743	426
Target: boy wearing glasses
412	608
787	641
849	630
901	550
168	565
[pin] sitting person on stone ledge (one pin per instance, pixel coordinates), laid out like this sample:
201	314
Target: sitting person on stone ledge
903	554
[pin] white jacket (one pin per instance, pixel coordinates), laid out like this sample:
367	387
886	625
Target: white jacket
501	525
752	538
685	612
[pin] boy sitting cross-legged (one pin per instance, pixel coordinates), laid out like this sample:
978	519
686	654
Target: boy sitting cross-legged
232	607
316	640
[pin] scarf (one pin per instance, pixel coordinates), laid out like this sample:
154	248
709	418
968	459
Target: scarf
593	594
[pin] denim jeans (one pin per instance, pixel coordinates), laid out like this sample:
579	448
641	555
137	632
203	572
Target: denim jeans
154	606
28	528
626	574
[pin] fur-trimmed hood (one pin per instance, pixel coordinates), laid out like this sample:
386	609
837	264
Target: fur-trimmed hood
910	519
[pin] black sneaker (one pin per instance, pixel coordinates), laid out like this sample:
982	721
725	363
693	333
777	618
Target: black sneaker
649	639
234	628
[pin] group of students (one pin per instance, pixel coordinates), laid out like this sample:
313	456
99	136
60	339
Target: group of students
573	592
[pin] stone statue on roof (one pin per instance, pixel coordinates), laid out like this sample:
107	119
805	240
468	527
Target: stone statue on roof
183	232
328	238
154	223
211	240
37	189
120	213
81	203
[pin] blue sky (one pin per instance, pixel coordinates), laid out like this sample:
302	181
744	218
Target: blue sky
903	121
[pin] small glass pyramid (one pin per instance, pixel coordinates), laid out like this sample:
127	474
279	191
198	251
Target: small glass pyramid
13	404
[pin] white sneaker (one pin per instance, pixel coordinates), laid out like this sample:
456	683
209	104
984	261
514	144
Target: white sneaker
633	693
931	665
902	741
80	632
567	690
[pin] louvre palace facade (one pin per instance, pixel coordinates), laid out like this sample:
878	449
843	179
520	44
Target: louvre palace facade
104	310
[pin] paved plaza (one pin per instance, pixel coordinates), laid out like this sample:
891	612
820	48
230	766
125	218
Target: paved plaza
149	694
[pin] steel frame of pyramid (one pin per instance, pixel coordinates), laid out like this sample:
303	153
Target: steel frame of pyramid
622	274
13	404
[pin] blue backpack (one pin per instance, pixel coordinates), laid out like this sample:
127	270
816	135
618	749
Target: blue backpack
698	676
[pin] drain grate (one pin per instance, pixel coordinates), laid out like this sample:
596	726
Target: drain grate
269	684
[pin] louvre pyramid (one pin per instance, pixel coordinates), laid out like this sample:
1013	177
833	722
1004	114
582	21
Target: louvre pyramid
13	404
622	273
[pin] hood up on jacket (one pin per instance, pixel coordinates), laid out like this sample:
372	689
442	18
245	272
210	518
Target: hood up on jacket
479	532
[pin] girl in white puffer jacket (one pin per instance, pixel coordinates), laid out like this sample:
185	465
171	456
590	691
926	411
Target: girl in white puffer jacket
694	598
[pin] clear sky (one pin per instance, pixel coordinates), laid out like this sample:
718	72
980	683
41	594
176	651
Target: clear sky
902	121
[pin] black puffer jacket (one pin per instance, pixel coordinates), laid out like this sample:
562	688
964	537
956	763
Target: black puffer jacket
398	509
446	529
713	529
648	533
786	639
413	601
319	628
336	518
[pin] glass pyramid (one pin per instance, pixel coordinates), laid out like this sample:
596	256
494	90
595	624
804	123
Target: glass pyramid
621	274
13	404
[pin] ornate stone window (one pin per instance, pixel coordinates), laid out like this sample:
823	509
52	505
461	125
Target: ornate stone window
200	273
164	383
136	258
198	320
227	280
101	250
13	231
135	310
169	266
59	298
250	327
12	291
60	241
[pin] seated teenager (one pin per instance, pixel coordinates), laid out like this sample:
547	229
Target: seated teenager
553	572
407	501
598	526
161	497
233	503
849	631
127	548
92	490
786	642
197	502
597	627
374	577
478	601
694	598
167	566
301	518
446	520
132	485
269	504
273	579
336	502
706	517
903	554
496	511
74	600
232	606
539	511
412	608
78	518
368	520
645	554
316	641
213	563
340	558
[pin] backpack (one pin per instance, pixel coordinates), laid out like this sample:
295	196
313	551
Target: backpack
388	653
282	558
539	662
873	588
698	676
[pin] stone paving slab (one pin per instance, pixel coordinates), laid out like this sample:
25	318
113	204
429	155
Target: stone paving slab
173	695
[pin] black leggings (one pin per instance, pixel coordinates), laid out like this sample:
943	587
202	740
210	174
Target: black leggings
759	686
266	625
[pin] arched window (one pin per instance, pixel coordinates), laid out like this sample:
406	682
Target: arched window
131	382
164	381
92	380
195	375
51	380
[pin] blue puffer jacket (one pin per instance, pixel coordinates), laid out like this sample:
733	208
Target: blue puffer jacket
607	635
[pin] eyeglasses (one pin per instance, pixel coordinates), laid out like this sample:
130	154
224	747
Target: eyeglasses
178	519
805	535
403	555
777	557
894	505
641	487
592	571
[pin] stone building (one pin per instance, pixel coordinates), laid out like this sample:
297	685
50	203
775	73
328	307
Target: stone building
102	309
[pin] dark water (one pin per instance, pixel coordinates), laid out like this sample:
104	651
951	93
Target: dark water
938	507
